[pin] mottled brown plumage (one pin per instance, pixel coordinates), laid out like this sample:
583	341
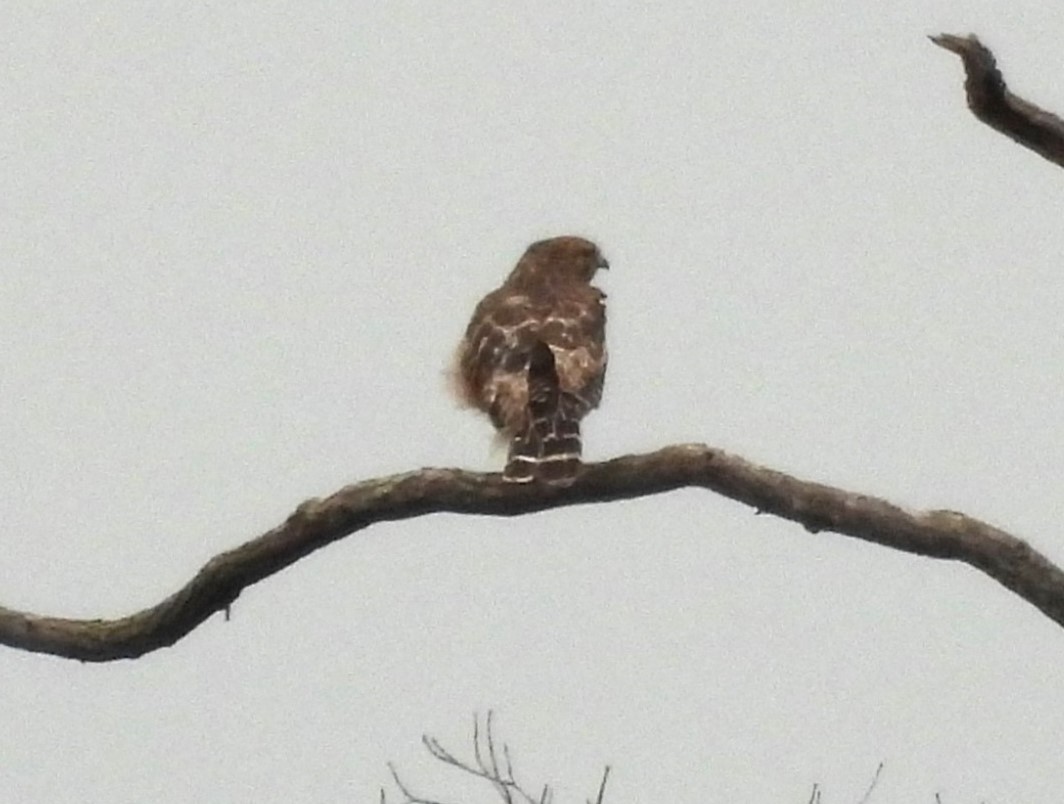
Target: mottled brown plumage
534	357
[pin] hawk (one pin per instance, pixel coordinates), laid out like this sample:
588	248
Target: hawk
534	357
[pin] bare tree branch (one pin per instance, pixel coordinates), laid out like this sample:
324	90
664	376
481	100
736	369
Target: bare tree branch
602	787
872	786
410	797
992	102
319	522
504	782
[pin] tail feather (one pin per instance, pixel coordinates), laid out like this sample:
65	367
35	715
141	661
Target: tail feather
549	446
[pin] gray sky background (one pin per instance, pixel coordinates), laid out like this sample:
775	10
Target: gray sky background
238	244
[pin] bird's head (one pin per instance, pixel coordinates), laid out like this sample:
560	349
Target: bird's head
568	257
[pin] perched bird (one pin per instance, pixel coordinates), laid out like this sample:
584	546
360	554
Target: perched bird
534	357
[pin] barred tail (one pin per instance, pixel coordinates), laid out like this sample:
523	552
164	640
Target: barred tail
548	449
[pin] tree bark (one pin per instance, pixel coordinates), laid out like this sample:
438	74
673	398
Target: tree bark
319	522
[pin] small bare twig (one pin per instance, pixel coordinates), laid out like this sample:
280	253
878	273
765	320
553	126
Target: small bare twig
871	787
602	787
410	797
491	762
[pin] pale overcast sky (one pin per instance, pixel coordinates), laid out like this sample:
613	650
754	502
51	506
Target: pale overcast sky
238	245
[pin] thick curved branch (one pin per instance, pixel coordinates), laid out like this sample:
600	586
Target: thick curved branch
990	100
318	522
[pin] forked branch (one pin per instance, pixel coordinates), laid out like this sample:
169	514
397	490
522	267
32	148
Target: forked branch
492	763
